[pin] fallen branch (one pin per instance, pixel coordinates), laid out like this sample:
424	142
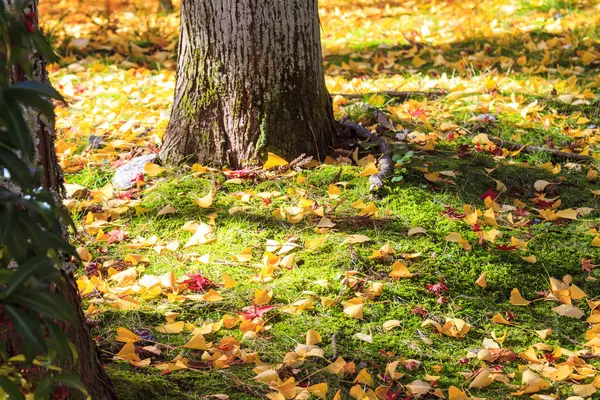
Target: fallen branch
534	149
386	165
403	95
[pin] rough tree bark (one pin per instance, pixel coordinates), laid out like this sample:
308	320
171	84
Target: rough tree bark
249	80
88	365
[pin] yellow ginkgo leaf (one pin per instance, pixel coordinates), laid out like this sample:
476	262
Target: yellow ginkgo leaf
499	319
334	191
354	307
125	335
364	378
212	296
175	327
128	353
312	337
205	201
197	342
516	299
530	258
481	138
567	310
568	213
274	160
370	169
314	243
399	270
152	169
84	253
481	281
228	281
455	393
262	296
543	333
244	256
319	390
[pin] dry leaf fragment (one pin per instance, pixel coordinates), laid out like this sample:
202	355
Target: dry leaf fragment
541	185
419	388
391	324
168	209
416	230
353	239
584	390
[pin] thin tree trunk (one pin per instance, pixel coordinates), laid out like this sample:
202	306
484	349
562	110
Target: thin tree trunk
166	5
88	365
249	80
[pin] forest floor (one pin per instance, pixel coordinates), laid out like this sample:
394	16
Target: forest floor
279	283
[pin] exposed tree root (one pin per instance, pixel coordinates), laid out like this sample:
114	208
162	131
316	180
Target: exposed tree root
403	95
334	356
534	149
386	165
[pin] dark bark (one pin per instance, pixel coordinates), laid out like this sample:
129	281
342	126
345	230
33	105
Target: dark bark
249	80
88	365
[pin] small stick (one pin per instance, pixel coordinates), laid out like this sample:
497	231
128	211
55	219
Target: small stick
534	149
402	95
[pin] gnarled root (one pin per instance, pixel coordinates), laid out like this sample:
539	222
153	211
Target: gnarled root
385	165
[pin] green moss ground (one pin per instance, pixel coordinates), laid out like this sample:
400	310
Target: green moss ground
416	202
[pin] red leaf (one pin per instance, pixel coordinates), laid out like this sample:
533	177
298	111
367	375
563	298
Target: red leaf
490	193
116	235
437	288
198	283
505	247
255	311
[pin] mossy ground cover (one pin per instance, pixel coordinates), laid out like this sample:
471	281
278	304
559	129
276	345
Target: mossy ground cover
525	72
416	202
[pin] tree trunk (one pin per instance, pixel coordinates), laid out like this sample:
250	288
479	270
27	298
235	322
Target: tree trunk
88	365
166	6
249	80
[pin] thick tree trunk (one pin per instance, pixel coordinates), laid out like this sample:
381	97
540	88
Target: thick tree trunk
88	365
249	80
